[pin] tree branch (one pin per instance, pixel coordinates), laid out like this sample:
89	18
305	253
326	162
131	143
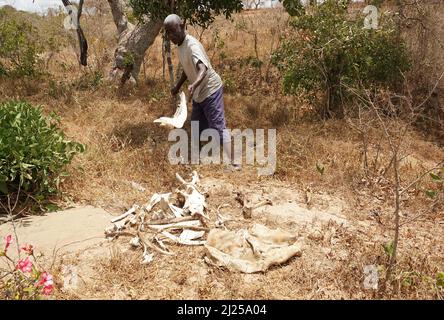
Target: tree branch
83	44
118	12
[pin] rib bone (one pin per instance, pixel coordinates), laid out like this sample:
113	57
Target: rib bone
126	214
182	241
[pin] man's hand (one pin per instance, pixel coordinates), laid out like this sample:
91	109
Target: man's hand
176	88
191	89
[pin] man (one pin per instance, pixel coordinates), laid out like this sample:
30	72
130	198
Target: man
205	88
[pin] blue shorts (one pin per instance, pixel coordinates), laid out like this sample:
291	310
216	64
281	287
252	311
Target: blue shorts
210	114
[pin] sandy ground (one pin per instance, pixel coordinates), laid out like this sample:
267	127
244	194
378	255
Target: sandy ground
61	232
59	238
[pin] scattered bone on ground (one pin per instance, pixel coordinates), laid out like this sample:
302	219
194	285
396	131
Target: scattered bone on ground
180	218
195	207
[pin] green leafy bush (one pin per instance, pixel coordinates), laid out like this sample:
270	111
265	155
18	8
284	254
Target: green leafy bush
33	150
329	51
195	12
19	48
293	7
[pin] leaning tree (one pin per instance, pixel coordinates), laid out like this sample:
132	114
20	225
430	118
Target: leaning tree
135	38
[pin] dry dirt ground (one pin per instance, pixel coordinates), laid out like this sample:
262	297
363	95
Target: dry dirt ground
87	266
74	239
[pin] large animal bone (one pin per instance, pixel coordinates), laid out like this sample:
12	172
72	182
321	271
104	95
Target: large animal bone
194	203
194	179
178	212
147	258
152	246
126	214
178	225
192	184
182	241
164	203
188	235
247	210
155	199
161	219
194	199
115	228
160	243
179	118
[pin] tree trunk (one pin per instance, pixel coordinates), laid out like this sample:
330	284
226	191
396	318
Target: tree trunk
133	42
166	51
83	44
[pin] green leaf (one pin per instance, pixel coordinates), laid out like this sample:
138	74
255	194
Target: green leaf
430	193
3	187
440	279
389	248
407	281
50	207
29	289
436	177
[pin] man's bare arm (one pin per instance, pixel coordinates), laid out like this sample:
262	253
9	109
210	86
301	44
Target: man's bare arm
201	73
176	88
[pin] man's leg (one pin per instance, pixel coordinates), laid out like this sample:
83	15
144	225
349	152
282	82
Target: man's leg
197	114
213	108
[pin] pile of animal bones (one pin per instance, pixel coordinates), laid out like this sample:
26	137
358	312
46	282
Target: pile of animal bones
180	217
177	217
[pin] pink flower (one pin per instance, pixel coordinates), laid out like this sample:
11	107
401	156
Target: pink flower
8	242
29	249
45	280
25	265
47	290
47	283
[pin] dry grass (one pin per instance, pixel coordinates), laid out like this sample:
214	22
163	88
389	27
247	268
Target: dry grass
123	145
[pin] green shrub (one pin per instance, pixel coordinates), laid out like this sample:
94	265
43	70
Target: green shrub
194	12
19	48
293	7
33	150
329	51
89	81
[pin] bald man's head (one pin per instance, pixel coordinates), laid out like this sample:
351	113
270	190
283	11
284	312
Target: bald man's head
172	19
175	28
